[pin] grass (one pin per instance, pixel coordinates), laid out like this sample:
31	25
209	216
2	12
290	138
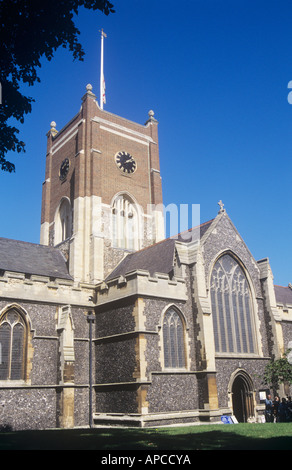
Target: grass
266	436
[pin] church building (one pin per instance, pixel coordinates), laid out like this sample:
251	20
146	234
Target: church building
106	321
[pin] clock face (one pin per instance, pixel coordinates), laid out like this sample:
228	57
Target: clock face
125	162
64	168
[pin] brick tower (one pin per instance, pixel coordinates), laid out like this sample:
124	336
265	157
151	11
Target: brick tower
102	193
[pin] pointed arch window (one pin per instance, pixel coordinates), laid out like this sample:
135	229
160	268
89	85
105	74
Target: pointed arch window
232	309
13	334
125	223
63	221
173	340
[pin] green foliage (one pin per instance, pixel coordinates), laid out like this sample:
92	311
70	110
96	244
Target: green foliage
278	371
30	30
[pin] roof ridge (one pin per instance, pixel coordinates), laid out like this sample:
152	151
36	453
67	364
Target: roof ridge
26	242
170	238
192	228
147	247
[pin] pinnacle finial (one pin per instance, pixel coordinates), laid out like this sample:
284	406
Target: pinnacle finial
88	92
53	131
151	118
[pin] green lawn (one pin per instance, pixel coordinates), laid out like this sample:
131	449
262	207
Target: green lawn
203	437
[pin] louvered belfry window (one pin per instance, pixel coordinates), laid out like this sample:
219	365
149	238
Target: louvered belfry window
173	340
125	225
12	346
232	308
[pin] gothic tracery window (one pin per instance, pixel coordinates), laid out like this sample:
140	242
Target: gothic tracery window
173	340
232	309
12	346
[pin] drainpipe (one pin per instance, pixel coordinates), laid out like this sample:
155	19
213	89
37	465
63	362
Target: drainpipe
90	319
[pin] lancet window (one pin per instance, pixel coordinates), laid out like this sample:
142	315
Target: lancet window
12	346
63	221
173	340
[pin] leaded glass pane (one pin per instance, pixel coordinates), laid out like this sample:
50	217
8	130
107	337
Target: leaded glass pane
231	308
215	318
222	327
166	343
180	345
249	324
5	335
17	352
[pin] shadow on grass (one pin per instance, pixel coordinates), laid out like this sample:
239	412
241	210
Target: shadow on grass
106	439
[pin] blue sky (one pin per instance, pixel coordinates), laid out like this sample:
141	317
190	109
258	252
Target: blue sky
216	74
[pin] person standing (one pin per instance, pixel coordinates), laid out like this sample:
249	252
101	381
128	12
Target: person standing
289	409
276	404
269	410
283	411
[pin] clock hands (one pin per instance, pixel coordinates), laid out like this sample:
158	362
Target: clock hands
126	162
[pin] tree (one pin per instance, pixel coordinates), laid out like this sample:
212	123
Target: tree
278	371
30	30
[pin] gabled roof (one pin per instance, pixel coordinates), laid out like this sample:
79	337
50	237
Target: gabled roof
30	258
283	295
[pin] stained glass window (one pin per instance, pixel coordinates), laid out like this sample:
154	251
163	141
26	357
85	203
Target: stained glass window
12	346
173	340
232	308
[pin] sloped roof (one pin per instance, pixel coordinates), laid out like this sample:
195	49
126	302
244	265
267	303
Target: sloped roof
157	258
283	294
30	258
195	233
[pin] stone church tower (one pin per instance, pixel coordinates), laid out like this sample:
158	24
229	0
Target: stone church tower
102	192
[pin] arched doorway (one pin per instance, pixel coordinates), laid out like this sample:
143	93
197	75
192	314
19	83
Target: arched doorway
242	397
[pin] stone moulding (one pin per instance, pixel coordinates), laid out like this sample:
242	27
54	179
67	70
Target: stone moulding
37	288
140	283
159	419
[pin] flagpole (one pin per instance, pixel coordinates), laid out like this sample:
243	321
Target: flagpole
102	88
